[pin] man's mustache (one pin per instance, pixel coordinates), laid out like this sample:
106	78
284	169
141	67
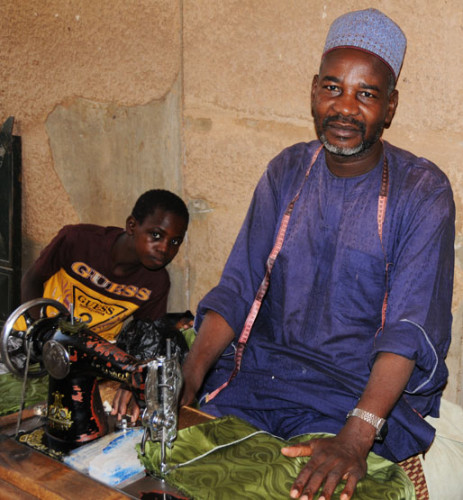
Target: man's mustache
345	121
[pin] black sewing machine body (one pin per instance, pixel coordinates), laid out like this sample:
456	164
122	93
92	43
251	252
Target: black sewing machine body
75	359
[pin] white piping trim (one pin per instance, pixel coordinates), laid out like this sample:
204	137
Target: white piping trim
216	448
432	349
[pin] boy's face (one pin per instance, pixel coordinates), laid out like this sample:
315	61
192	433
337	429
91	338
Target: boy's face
158	239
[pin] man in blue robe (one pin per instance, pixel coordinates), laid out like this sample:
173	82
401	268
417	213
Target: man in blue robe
349	329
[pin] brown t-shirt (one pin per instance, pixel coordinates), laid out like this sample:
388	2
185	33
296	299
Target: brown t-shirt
76	267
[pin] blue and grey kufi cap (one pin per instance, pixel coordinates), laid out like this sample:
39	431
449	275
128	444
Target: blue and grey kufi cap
371	31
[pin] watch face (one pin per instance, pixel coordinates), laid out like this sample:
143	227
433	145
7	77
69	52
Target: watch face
382	433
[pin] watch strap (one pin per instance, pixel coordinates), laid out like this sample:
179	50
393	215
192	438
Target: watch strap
375	421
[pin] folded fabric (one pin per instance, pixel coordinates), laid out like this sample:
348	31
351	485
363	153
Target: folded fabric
227	458
444	459
11	389
111	459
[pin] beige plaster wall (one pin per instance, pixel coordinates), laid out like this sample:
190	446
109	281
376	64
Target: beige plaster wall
228	84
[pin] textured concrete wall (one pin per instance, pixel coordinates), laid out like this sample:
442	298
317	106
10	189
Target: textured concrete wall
228	83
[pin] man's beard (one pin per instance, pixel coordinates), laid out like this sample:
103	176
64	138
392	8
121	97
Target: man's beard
365	144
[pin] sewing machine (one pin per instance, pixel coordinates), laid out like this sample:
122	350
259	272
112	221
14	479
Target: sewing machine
75	358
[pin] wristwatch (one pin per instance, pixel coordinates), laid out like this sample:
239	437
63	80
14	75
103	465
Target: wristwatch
380	424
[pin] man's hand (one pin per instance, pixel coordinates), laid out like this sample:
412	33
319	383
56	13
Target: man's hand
190	387
213	336
342	457
121	403
331	462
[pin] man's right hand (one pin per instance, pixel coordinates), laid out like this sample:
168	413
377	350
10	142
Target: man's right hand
188	394
213	337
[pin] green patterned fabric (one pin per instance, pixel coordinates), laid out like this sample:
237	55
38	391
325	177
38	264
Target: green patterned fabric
190	336
227	459
11	390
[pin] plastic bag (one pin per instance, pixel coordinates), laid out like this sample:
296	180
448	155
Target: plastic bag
146	339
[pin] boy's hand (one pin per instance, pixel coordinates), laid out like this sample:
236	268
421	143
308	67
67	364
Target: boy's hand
122	402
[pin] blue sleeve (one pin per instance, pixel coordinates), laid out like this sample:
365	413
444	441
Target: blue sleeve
418	318
245	267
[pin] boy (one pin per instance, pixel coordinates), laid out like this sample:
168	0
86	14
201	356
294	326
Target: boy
107	274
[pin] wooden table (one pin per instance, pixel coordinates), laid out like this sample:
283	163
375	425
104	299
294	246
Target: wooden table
26	473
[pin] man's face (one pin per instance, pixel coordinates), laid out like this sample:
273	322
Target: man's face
351	104
157	240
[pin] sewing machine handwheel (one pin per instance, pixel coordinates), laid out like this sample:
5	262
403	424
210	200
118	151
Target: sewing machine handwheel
16	335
